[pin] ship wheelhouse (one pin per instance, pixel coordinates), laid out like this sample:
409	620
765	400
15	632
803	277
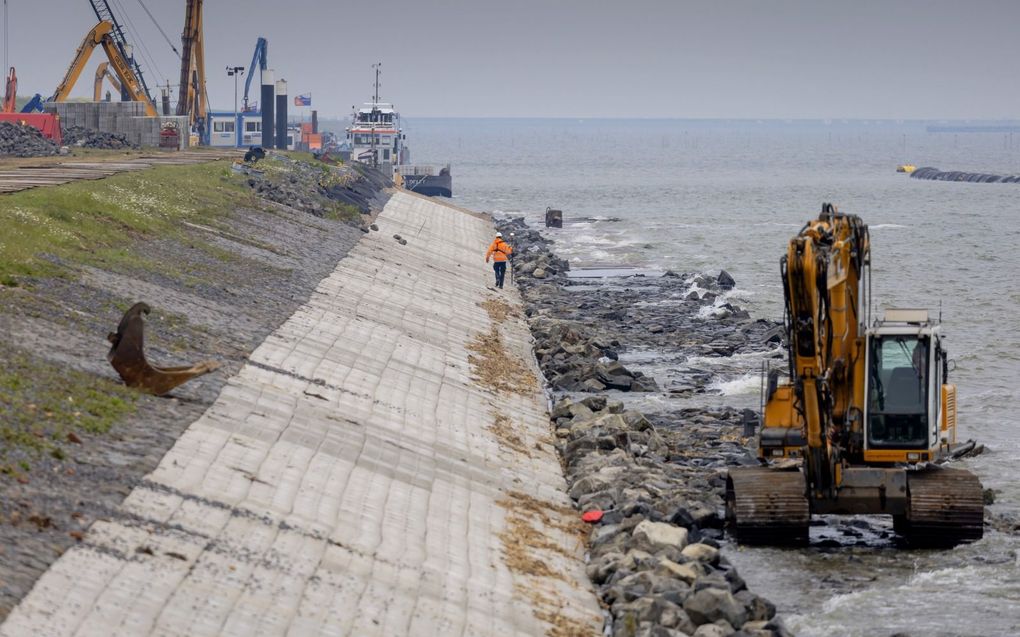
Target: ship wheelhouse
375	136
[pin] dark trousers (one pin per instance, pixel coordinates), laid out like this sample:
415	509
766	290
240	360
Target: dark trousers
500	268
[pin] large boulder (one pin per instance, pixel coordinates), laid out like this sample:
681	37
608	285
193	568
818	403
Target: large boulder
711	604
658	535
701	553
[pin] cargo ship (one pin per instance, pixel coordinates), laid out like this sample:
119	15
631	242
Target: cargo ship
375	137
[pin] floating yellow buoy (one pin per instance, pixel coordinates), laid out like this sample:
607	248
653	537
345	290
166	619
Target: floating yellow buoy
906	168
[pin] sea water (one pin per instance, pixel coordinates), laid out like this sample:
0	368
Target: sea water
712	195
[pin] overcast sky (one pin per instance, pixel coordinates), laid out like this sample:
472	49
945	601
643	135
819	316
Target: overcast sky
577	58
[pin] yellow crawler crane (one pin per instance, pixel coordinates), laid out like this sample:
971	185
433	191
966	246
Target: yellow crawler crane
101	35
865	414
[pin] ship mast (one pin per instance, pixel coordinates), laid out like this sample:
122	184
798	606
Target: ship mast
375	115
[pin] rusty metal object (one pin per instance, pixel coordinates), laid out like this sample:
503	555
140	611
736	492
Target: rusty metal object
767	506
127	355
946	508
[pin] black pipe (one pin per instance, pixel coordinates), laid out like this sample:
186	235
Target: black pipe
267	101
281	115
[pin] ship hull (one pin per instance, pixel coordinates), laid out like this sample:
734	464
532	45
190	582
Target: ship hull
440	185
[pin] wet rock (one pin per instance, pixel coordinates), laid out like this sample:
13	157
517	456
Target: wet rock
758	608
711	604
701	553
722	628
659	535
725	281
657	477
686	573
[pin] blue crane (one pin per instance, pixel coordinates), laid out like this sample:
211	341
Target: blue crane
261	58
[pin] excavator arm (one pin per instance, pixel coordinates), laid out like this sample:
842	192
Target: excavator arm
822	269
10	93
103	72
100	36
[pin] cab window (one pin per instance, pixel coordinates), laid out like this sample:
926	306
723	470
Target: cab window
898	392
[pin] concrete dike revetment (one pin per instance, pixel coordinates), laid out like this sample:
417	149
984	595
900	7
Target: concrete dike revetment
382	465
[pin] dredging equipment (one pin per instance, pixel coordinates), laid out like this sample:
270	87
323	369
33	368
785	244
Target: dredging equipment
866	414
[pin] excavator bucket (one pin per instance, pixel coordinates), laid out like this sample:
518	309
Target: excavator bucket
127	356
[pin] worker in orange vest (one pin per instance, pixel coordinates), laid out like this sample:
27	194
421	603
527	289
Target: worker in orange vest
499	251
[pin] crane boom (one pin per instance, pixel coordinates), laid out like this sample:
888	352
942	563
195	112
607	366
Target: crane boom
192	98
260	59
104	13
100	35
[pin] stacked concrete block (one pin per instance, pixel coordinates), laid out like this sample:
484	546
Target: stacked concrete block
147	130
124	118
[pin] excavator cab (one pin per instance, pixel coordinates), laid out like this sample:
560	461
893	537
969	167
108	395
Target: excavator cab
907	417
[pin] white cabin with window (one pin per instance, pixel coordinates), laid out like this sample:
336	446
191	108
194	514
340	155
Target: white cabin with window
223	130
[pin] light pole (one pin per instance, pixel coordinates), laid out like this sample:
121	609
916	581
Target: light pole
235	71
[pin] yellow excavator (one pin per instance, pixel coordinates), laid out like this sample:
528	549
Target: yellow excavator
103	72
101	35
866	415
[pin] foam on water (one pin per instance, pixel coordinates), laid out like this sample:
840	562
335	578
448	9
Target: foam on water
746	384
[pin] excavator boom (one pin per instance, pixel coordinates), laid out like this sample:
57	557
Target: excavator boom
100	35
103	72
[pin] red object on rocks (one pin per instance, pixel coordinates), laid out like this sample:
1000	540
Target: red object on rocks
592	516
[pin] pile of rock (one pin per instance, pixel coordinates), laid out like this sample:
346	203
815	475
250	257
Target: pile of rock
677	315
315	187
362	190
91	138
533	260
654	553
654	484
24	141
573	362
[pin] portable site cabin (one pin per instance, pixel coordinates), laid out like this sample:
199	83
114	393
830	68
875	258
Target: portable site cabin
223	130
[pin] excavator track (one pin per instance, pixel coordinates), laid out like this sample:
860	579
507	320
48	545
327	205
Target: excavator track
946	508
767	506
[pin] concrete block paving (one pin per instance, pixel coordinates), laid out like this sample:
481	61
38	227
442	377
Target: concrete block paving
346	481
